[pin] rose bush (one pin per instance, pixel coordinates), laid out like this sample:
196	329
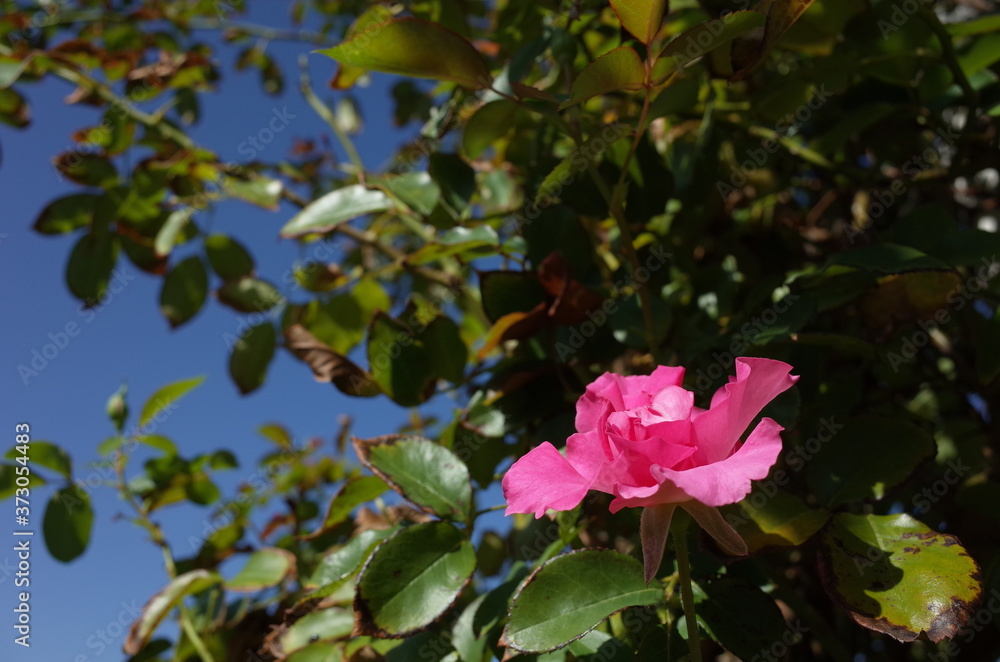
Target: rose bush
642	439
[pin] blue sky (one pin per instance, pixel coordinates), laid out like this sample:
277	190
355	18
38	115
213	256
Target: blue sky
78	609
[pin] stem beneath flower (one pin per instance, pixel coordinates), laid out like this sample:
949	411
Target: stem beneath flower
679	535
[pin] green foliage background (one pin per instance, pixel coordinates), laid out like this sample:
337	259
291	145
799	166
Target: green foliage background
594	186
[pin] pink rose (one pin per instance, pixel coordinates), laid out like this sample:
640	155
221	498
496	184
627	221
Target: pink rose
642	439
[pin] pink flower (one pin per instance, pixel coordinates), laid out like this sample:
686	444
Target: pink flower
642	439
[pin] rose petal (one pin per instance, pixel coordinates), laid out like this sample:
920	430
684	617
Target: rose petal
632	496
673	403
602	397
728	481
638	390
667	444
586	452
757	382
541	480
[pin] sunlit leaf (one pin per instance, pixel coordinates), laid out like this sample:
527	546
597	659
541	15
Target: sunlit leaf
554	607
414	47
640	17
894	575
616	71
163	602
163	400
339	206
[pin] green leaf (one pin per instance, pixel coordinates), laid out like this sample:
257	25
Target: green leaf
445	348
412	579
47	455
249	295
68	522
571	594
703	39
352	494
87	169
423	472
417	48
342	564
415	189
617	70
8	480
466	243
341	322
88	270
67	213
229	259
163	602
781	14
261	191
985	51
11	69
772	517
887	258
14	110
165	397
340	206
322	652
470	647
324	625
184	291
455	178
167	237
399	364
505	292
251	356
894	575
158	442
977	26
740	616
265	568
640	17
488	124
892	449
277	433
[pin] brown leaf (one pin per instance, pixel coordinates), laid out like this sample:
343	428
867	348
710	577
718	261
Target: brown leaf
327	365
